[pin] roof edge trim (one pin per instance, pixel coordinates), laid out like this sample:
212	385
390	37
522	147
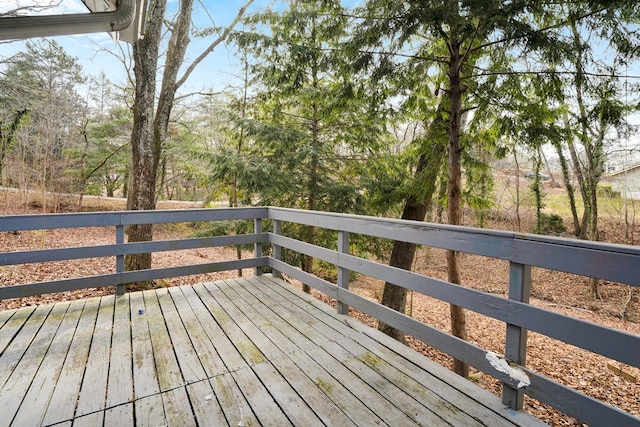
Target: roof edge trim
22	27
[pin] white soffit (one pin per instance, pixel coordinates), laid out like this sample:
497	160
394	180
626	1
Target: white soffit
123	19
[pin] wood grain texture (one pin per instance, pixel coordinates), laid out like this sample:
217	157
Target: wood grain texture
249	352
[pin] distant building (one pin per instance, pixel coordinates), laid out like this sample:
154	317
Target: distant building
627	181
620	160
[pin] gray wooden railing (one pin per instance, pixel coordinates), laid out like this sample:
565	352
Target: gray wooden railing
610	262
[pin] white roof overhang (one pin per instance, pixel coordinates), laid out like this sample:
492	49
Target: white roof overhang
124	21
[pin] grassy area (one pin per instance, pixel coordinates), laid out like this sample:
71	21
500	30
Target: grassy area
557	202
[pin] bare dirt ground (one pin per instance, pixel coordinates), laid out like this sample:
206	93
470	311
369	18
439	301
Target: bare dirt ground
594	375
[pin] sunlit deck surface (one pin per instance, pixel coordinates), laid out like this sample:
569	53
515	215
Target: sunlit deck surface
243	352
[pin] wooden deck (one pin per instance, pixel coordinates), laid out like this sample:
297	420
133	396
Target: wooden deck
245	352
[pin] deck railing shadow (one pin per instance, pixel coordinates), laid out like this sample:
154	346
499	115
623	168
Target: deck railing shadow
615	263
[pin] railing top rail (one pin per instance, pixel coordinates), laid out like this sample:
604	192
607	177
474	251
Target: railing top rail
104	219
343	223
618	263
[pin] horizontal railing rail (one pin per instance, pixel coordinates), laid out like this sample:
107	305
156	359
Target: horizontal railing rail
119	249
617	263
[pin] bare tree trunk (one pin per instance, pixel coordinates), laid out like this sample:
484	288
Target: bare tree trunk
546	165
518	219
415	209
458	318
149	129
307	264
144	161
570	190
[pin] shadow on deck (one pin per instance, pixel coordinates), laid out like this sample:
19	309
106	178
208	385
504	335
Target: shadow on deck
244	352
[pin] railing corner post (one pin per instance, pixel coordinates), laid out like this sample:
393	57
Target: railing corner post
343	273
516	337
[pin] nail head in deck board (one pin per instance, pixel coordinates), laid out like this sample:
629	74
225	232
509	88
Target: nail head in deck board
145	379
18	383
120	385
94	386
34	405
65	395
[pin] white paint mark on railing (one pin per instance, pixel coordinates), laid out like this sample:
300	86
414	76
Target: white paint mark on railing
501	365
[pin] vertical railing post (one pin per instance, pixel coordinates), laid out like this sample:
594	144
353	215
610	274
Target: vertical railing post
120	288
343	273
277	249
516	338
257	228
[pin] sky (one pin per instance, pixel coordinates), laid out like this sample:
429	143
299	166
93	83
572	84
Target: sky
215	73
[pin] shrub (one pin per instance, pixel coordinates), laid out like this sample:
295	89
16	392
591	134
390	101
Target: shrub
551	224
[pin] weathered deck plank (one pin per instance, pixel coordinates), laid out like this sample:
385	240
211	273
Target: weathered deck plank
34	405
260	400
167	369
65	395
93	392
325	394
246	352
19	382
451	388
19	332
121	415
350	354
120	386
145	378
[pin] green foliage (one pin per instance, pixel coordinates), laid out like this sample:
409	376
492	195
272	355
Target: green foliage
550	224
307	137
227	228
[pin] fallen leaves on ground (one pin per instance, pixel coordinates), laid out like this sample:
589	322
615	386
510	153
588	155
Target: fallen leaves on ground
592	374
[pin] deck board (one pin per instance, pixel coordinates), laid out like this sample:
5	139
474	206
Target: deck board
37	398
393	387
93	392
63	401
251	352
120	386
